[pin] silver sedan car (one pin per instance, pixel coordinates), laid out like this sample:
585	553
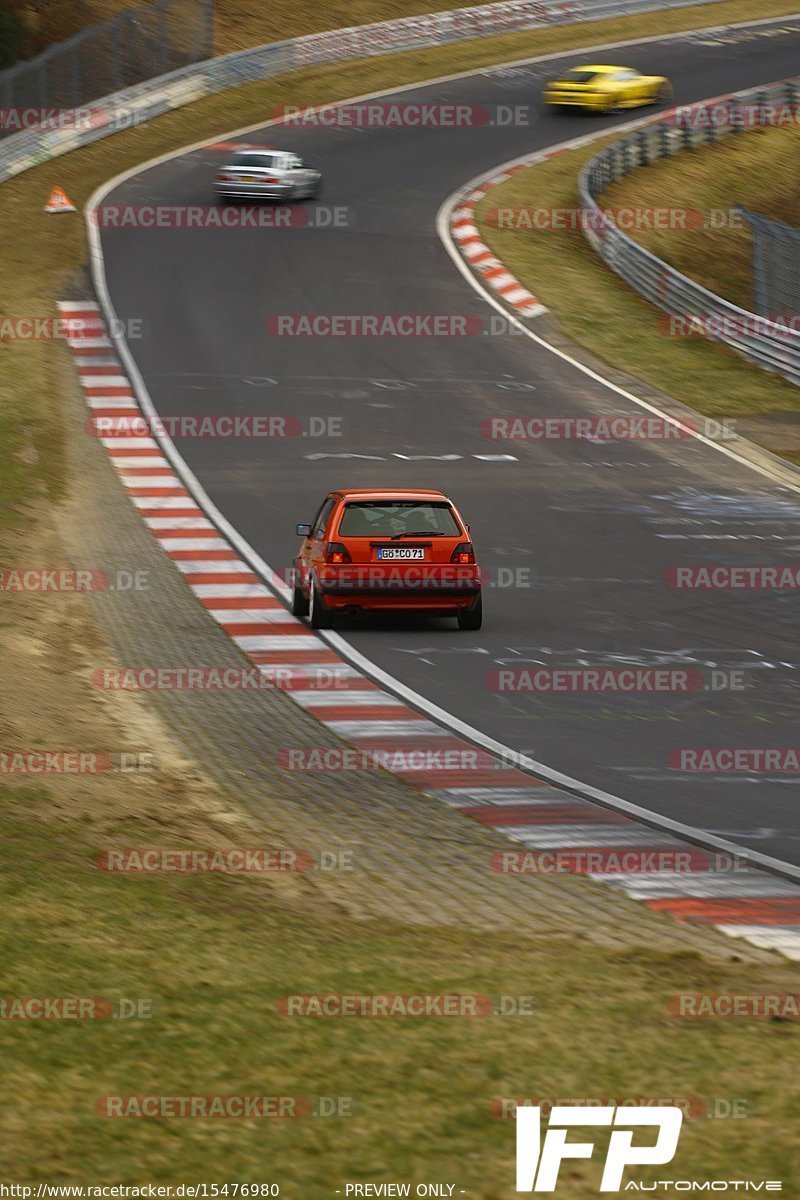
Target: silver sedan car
268	175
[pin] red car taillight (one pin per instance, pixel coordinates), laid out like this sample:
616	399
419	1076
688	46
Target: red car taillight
335	552
223	178
463	554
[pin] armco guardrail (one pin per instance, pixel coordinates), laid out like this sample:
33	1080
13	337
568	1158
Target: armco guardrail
773	341
144	101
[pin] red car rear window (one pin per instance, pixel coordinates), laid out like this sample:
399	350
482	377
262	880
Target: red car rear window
387	518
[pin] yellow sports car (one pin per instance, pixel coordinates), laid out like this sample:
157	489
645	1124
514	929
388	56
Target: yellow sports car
607	89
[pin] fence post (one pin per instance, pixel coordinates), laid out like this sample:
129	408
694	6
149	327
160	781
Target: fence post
204	40
163	36
764	241
209	14
43	92
76	75
8	87
115	53
784	288
127	41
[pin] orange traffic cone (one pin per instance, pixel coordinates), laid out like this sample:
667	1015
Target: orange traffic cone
59	201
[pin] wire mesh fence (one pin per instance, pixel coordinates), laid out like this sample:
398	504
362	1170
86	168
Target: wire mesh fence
136	45
769	335
136	103
775	264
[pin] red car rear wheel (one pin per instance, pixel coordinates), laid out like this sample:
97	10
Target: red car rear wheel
319	616
299	606
471	618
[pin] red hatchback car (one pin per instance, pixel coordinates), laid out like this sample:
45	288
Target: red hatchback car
387	550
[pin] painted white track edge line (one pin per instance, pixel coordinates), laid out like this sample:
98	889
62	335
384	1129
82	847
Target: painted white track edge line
443	219
105	188
260	567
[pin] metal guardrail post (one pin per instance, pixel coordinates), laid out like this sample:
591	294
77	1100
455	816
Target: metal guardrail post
663	139
686	133
625	163
607	173
644	148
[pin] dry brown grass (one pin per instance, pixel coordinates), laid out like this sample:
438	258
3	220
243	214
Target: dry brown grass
216	953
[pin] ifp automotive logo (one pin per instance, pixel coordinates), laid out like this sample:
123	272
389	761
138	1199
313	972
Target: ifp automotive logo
538	1161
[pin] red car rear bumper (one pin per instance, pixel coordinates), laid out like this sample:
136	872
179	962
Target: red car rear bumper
405	601
423	587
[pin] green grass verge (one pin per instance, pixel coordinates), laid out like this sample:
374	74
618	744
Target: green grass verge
214	954
759	170
601	313
38	252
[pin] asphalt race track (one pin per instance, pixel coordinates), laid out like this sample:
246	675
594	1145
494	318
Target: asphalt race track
592	527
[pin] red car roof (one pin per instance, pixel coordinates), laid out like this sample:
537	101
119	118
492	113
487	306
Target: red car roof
391	493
